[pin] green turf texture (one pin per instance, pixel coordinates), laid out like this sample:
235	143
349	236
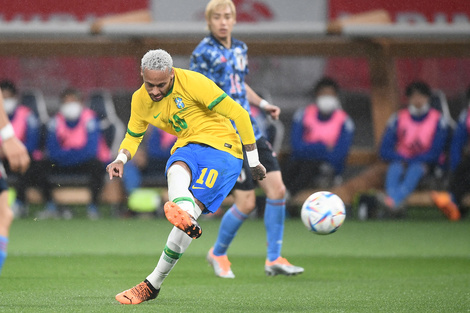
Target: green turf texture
393	266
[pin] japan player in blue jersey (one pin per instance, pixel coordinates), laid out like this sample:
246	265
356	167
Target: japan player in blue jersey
223	59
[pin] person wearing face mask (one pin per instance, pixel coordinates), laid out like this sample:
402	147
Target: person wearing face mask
321	136
26	126
413	141
450	202
74	145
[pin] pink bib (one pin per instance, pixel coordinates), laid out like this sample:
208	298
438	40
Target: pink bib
104	153
468	121
326	132
19	122
75	137
166	140
415	138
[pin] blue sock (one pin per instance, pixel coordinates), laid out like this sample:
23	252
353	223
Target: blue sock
274	215
3	250
229	226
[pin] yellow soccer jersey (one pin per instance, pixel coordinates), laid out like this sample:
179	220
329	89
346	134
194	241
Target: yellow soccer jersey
196	110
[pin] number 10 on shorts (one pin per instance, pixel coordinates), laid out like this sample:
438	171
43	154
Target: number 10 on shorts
209	181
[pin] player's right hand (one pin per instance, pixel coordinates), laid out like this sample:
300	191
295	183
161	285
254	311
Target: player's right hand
258	172
115	169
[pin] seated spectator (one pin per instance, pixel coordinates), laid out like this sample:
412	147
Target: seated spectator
152	161
321	137
450	203
26	126
75	146
412	143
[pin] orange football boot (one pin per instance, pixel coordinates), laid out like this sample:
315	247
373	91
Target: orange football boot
138	294
443	201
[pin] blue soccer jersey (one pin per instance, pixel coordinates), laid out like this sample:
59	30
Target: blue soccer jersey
227	68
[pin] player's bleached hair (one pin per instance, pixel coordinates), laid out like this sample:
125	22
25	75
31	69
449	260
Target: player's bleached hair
213	4
157	60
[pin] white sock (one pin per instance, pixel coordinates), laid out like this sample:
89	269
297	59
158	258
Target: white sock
176	245
178	241
179	181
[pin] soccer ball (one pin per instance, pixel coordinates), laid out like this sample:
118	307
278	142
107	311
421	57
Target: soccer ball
323	212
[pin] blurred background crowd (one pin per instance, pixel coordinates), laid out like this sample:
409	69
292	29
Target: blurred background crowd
380	119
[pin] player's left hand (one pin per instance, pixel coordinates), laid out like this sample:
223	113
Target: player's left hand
272	110
258	172
16	154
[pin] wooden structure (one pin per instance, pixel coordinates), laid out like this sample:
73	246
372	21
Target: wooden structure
380	43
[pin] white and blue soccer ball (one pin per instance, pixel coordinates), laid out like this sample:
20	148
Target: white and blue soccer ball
323	212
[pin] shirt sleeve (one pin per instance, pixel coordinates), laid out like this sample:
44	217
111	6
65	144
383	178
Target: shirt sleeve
206	92
136	129
227	107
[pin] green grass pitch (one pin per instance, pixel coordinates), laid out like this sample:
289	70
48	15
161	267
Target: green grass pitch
394	266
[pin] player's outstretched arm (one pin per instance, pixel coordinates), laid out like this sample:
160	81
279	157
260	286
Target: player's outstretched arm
230	109
13	148
253	98
257	169
116	168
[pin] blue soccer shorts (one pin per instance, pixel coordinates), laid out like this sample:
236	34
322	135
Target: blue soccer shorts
214	173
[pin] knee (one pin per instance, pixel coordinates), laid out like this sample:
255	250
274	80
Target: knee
276	191
395	165
246	205
178	168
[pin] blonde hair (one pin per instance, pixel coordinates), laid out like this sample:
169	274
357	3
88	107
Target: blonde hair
157	60
213	4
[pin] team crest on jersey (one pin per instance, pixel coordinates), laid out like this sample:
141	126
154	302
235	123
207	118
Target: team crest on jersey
179	102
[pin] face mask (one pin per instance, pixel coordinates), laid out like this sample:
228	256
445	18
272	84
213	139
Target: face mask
327	104
414	111
9	104
71	110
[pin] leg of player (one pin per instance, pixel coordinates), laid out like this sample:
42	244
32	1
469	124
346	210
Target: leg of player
6	218
181	211
231	222
274	215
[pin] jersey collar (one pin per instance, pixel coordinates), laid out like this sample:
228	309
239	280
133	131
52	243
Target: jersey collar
219	43
171	88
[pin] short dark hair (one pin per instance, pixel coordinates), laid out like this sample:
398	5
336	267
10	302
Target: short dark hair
467	95
8	85
420	87
325	82
70	92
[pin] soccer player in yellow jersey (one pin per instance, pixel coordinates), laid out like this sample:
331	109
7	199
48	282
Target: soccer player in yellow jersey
206	158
